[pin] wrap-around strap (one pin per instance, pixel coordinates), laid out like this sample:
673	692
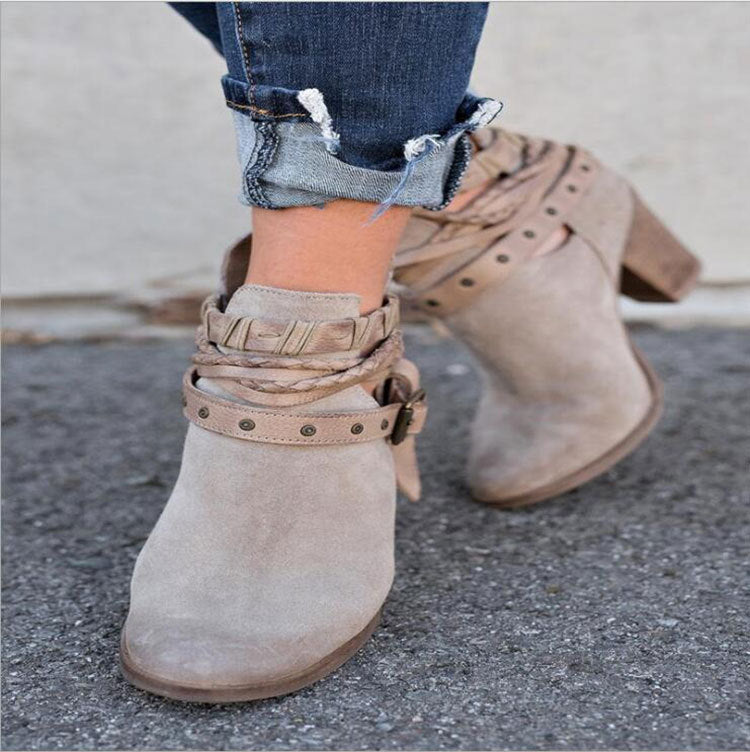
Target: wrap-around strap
397	420
498	260
360	334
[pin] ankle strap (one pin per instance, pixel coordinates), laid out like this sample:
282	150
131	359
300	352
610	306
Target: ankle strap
403	416
358	335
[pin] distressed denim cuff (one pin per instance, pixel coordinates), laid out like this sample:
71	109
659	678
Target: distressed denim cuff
287	146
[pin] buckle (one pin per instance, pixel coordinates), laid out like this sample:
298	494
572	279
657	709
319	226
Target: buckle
405	417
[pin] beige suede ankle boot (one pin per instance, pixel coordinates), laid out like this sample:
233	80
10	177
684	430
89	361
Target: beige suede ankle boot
527	274
271	561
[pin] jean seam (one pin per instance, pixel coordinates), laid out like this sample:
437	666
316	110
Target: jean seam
245	51
461	159
258	163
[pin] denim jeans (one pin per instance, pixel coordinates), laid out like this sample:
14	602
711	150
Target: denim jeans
366	101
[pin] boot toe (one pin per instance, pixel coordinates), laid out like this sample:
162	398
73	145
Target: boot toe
180	656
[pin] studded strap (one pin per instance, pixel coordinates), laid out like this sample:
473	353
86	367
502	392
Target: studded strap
445	289
401	418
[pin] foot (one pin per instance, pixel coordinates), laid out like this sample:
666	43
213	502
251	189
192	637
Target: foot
271	561
527	273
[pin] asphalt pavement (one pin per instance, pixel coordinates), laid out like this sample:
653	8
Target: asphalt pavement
616	617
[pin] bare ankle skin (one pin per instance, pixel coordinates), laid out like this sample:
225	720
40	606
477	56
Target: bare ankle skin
334	249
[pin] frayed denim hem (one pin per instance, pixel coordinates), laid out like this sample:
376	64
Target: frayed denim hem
287	146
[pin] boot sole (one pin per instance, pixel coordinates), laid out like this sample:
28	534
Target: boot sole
243	693
656	267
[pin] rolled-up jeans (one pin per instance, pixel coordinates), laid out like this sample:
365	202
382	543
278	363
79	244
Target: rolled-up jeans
366	101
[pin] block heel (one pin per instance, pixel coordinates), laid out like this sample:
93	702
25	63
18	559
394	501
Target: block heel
656	267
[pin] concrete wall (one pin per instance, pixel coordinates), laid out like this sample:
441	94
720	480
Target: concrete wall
118	171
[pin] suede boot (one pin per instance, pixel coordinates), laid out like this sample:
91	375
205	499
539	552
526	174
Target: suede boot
271	561
565	393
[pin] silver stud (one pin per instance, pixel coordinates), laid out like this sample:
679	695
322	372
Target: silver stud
432	303
308	430
357	428
551	211
384	424
203	412
467	281
572	188
529	234
247	424
502	258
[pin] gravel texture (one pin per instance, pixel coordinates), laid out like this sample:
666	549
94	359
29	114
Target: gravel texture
615	617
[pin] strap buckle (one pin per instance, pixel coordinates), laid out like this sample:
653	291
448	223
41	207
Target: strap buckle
405	417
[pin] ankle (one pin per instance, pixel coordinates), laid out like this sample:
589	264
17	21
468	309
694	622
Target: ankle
337	249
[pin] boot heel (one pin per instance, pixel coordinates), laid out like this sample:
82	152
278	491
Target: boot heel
656	267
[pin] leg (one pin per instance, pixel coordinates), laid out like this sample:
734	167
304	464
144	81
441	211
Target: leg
273	557
339	249
336	249
507	187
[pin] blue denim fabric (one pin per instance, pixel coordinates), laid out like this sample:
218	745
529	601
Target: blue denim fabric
357	100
